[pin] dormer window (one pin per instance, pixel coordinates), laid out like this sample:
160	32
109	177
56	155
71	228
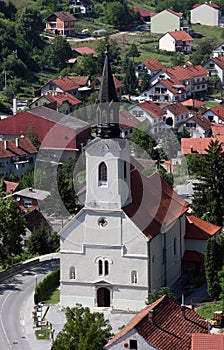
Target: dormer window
102	180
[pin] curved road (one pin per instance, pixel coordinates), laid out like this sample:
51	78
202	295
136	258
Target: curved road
14	293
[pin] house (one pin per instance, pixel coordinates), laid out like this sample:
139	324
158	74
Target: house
96	84
151	112
82	6
166	21
151	67
83	50
206	14
178	41
215	114
218	51
34	219
144	15
127	124
16	154
198	231
30	199
162	325
193	105
64	102
10	186
166	90
215	66
176	114
61	23
195	78
58	134
217	130
197	145
198	126
63	84
207	341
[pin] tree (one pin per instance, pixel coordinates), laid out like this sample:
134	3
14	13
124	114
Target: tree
202	54
27	179
86	65
117	14
145	82
156	294
57	53
12	229
130	80
133	51
41	241
142	143
114	52
212	267
33	136
208	193
83	330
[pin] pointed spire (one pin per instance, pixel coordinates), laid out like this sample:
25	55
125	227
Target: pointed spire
107	91
108	104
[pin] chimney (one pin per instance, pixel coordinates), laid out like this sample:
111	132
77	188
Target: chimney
14	108
150	316
17	142
183	309
6	144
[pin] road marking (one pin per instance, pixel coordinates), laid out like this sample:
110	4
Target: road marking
2	325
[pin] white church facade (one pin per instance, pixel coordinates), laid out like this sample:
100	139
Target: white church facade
128	239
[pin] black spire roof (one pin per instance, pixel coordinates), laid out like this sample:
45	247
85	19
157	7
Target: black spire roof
108	104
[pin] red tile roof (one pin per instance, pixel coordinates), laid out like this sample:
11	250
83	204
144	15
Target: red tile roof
152	108
181	73
154	65
66	83
63	16
193	256
196	145
171	326
215	6
61	97
84	50
172	85
219	61
25	147
154	203
181	35
178	14
207	341
143	13
197	228
202	122
193	103
217	130
10	186
79	80
218	110
177	108
127	120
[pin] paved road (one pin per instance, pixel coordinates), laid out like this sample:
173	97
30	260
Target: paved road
14	293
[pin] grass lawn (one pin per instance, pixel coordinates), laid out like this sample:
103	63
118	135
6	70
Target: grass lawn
42	334
208	309
53	298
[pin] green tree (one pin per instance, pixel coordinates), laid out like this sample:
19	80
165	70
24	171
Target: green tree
133	51
114	52
156	294
27	179
142	143
87	65
117	14
221	283
41	241
212	267
83	330
208	193
130	80
145	82
203	52
57	53
12	229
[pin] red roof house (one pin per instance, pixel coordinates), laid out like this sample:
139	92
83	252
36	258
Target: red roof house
61	23
178	41
163	325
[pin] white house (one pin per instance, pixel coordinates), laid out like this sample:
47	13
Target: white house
207	14
176	114
215	114
215	66
166	21
178	41
218	51
151	67
197	126
84	6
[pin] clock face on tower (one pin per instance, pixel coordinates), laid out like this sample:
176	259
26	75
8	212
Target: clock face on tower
103	149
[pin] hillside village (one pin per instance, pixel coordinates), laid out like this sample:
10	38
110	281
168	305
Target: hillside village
111	165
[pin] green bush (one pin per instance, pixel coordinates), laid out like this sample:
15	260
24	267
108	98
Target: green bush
49	283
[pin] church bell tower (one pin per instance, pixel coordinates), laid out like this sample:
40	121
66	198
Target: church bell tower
108	155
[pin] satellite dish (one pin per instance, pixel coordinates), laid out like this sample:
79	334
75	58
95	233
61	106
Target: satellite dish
18	198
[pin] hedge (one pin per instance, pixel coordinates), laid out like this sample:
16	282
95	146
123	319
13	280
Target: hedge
48	285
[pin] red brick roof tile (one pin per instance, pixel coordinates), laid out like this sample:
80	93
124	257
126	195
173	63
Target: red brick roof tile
218	110
197	145
188	72
197	228
127	120
60	97
79	80
215	6
84	50
152	108
25	147
66	83
143	13
154	65
177	108
207	341
171	326
178	14
172	85
10	186
202	122
219	61
181	35
193	103
217	130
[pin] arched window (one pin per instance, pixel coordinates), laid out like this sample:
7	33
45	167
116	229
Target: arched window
106	267
102	174
100	265
72	273
134	276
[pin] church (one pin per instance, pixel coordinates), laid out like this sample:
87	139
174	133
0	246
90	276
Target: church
129	237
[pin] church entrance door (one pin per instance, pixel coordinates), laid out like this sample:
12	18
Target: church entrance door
103	297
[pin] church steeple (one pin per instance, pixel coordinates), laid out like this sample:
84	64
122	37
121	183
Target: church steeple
108	104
